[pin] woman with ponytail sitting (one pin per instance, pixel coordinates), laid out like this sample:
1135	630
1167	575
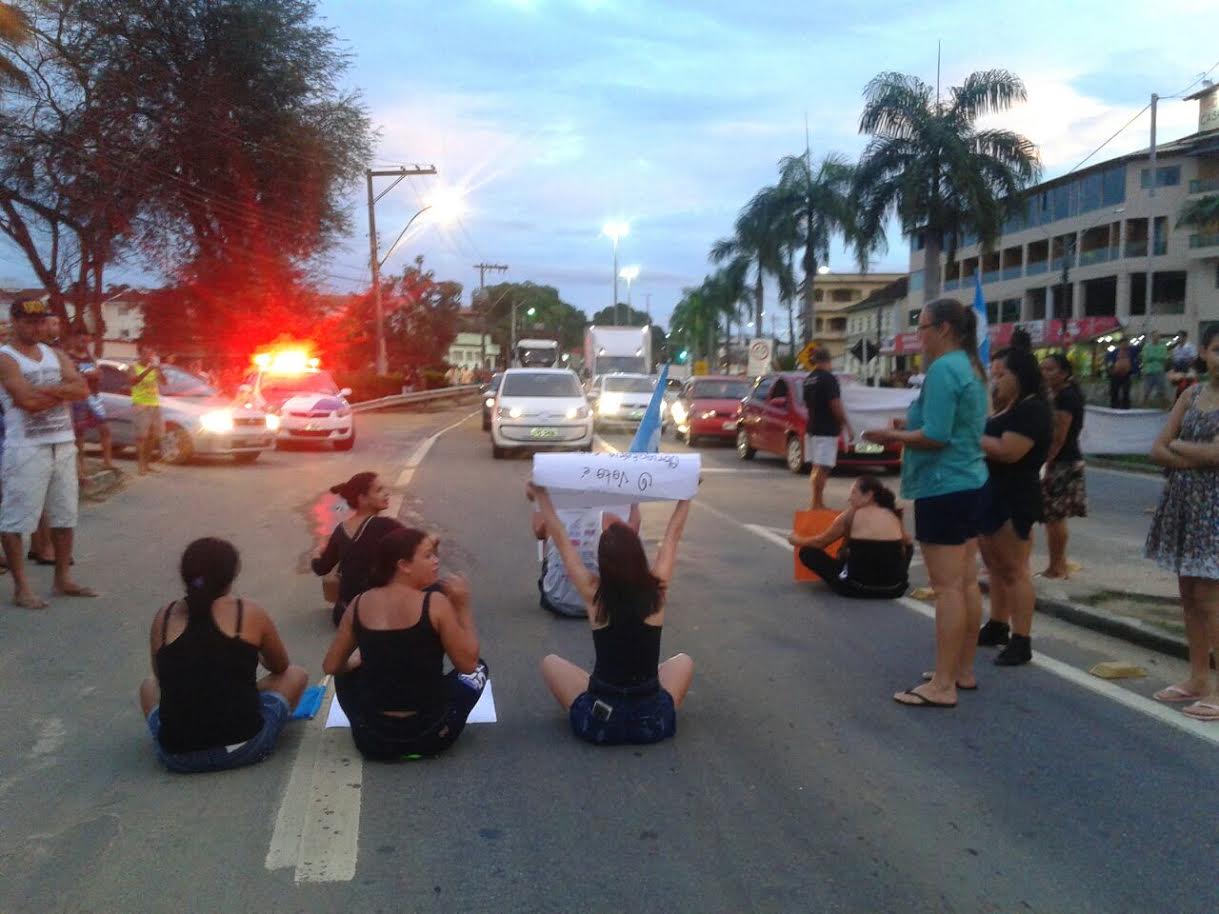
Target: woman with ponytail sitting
353	544
205	707
387	657
874	562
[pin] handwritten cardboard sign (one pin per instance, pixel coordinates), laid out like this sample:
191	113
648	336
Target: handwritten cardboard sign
596	480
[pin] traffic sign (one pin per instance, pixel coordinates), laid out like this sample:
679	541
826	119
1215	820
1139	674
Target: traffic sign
804	358
701	367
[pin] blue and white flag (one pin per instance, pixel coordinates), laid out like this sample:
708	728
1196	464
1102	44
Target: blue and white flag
647	436
983	323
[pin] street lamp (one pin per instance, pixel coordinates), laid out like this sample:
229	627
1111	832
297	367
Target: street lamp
615	230
630	274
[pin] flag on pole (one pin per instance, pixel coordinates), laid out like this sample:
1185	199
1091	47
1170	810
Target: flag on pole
983	323
647	437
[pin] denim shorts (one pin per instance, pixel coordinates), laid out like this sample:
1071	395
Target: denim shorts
275	713
948	520
635	720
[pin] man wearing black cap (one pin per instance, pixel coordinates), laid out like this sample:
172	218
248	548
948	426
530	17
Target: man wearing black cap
38	472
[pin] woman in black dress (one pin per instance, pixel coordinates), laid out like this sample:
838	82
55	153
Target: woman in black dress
353	544
1016	442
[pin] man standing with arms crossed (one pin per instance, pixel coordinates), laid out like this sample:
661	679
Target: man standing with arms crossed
826	420
146	377
37	384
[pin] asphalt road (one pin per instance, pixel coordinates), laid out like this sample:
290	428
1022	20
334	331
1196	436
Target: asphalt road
795	782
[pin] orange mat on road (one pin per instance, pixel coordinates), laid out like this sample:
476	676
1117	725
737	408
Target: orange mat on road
810	523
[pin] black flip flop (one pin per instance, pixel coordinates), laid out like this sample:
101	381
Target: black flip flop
921	701
39	560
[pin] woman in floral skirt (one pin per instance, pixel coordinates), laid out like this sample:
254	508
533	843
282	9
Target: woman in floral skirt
1184	537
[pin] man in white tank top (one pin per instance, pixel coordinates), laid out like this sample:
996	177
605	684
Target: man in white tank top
38	471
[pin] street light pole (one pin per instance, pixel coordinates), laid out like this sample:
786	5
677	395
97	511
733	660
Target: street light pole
615	230
382	359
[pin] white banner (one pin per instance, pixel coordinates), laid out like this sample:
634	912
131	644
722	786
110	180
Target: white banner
871	408
1120	431
614	480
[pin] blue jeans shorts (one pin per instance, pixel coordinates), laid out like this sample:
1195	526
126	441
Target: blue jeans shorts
275	713
612	721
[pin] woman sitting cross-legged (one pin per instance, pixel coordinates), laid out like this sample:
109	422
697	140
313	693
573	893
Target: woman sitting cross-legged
388	655
205	707
630	697
874	561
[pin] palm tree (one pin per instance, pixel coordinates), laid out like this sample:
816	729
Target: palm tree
929	163
754	245
1200	213
816	204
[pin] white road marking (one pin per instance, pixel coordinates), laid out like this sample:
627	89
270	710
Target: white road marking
605	445
1148	707
317	827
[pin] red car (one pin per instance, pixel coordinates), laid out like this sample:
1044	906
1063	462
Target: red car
707	408
773	420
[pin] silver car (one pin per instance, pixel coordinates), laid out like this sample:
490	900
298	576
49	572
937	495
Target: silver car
198	420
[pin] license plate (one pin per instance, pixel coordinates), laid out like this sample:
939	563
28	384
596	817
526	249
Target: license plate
869	447
543	433
637	414
729	426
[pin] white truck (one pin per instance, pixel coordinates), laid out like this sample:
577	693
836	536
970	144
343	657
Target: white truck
608	349
536	353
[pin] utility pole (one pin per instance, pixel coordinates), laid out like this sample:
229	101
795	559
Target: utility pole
378	308
648	299
1151	219
482	285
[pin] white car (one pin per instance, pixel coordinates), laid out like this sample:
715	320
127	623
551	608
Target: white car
622	399
540	407
310	406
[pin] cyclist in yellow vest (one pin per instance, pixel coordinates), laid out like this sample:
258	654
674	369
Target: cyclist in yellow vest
146	376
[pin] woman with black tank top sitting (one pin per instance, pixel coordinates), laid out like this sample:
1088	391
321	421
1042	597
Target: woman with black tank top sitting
353	544
630	697
387	657
874	562
205	707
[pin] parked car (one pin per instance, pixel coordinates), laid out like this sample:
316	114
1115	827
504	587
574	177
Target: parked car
540	407
772	419
198	420
707	407
488	392
621	399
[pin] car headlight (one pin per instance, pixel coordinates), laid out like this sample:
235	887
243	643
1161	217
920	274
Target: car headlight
272	422
217	422
577	412
490	402
707	414
609	404
510	413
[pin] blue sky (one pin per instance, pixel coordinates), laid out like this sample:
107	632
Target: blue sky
557	115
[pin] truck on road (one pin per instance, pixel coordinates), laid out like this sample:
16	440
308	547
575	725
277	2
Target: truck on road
609	349
536	353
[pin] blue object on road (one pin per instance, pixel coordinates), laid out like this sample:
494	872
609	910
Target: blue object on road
310	703
647	436
983	322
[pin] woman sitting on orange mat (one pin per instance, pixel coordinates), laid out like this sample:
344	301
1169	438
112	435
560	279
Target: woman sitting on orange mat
874	561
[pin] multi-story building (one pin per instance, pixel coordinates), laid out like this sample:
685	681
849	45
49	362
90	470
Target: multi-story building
875	321
833	296
1085	243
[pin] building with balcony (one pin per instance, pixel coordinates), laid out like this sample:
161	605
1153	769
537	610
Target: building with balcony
833	296
1084	244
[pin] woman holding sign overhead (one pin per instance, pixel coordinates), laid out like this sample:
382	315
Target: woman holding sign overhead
630	697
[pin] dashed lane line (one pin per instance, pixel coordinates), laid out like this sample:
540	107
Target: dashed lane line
317	827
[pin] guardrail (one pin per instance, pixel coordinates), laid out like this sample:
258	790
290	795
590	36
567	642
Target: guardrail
419	396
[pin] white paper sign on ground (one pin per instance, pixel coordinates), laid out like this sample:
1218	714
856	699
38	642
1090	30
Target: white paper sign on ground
483	713
614	480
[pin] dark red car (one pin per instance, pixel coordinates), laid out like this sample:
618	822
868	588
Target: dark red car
707	408
773	420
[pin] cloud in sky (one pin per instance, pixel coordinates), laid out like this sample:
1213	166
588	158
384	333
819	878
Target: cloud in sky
560	114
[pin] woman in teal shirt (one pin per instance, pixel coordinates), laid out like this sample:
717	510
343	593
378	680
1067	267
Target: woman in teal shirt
944	473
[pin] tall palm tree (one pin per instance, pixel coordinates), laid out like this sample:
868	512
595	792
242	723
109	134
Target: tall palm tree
754	245
816	204
930	164
1200	213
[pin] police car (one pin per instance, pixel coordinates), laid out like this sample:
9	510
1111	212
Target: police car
310	406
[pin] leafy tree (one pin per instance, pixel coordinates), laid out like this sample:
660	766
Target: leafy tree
754	245
553	318
1202	212
930	164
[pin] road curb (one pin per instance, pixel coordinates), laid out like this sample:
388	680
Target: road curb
1133	630
1129	466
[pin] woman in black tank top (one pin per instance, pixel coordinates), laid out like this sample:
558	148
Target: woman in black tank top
388	655
205	706
630	697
